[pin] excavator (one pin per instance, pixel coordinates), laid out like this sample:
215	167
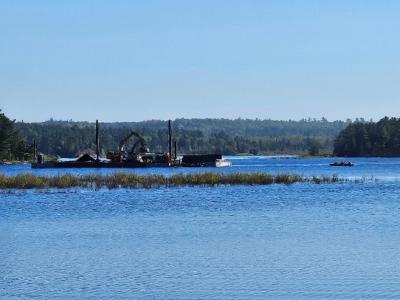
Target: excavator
124	155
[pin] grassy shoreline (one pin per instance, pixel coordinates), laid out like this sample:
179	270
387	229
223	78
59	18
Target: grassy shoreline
125	180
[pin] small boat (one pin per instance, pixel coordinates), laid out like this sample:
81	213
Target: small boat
341	164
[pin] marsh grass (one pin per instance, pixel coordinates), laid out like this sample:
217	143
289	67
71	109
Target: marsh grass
124	180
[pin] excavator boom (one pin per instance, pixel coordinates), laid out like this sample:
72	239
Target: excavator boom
141	140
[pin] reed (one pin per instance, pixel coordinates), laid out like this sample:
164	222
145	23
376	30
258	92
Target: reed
124	180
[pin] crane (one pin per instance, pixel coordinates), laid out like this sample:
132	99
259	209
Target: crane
122	155
143	146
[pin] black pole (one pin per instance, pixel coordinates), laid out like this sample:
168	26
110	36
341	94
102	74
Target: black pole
97	141
169	138
34	151
175	156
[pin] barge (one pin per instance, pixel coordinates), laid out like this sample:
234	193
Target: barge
139	156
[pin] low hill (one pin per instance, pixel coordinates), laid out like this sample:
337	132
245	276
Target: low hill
239	136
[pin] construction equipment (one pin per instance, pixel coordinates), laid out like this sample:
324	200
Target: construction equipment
123	154
143	146
138	156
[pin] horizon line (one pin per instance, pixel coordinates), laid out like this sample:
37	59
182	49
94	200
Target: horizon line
308	119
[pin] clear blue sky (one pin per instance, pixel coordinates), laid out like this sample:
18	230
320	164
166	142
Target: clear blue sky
136	60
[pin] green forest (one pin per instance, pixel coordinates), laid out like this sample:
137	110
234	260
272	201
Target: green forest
370	139
225	136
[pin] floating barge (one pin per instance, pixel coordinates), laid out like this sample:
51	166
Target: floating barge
142	158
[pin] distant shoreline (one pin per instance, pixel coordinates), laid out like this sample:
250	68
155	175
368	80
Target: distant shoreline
272	156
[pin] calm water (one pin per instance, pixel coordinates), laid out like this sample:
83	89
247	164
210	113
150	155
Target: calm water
335	241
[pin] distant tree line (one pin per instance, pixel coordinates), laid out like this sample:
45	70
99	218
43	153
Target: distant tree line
370	139
225	136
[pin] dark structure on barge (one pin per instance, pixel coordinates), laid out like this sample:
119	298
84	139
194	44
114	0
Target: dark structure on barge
138	156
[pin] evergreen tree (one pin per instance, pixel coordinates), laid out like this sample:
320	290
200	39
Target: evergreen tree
12	147
370	139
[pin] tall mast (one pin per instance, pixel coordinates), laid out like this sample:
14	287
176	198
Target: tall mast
97	141
169	138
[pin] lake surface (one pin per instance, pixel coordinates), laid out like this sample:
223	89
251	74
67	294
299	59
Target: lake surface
303	241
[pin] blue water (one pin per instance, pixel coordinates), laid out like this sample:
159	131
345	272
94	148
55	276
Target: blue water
379	168
304	241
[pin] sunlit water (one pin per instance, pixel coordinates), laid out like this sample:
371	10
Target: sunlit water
304	241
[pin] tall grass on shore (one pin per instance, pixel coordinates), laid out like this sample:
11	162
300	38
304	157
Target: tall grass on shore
124	180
